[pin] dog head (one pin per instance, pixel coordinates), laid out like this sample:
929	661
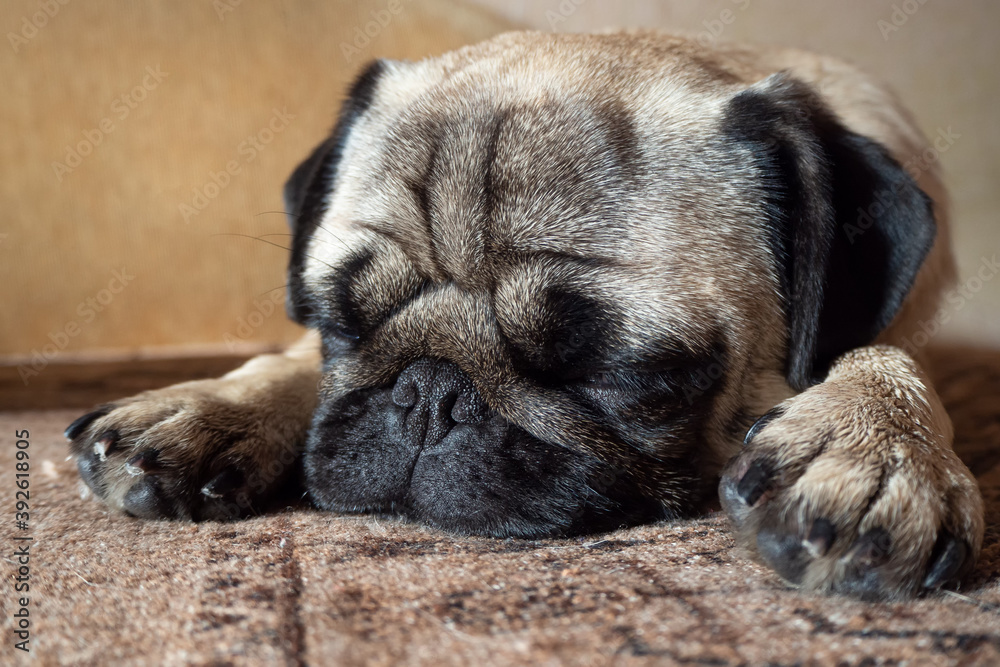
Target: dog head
558	277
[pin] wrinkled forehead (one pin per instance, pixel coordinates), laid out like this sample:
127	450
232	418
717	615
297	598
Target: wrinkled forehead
518	181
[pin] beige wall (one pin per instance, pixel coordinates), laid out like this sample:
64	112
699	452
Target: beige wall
943	58
163	96
64	235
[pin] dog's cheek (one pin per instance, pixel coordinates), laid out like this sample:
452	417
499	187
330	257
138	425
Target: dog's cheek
495	479
357	457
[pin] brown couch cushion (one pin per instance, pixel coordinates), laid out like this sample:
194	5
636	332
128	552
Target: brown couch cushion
120	210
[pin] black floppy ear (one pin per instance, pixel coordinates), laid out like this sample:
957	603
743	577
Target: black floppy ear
308	188
849	228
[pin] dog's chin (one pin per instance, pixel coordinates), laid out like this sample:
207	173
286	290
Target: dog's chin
460	467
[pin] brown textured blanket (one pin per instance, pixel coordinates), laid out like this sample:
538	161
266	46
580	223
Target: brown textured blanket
297	586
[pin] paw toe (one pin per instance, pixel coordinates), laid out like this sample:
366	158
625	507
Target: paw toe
146	500
864	571
226	496
784	553
871	549
741	489
788	554
949	560
90	469
146	462
754	483
821	538
839	490
80	424
184	452
223	484
106	444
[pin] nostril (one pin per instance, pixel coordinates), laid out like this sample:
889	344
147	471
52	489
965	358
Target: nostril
441	389
404	394
468	409
446	406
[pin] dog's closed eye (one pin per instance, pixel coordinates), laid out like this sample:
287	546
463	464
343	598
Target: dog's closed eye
628	381
342	331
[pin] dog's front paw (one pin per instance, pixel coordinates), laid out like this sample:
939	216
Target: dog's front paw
852	486
198	450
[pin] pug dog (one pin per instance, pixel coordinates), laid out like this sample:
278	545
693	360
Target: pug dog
559	284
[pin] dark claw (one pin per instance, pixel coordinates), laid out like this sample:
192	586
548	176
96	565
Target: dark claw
871	549
105	444
226	481
145	462
821	537
947	560
81	423
784	553
225	497
864	576
754	483
88	465
145	500
759	425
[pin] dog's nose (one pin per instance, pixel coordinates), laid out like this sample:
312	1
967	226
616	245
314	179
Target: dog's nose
443	390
